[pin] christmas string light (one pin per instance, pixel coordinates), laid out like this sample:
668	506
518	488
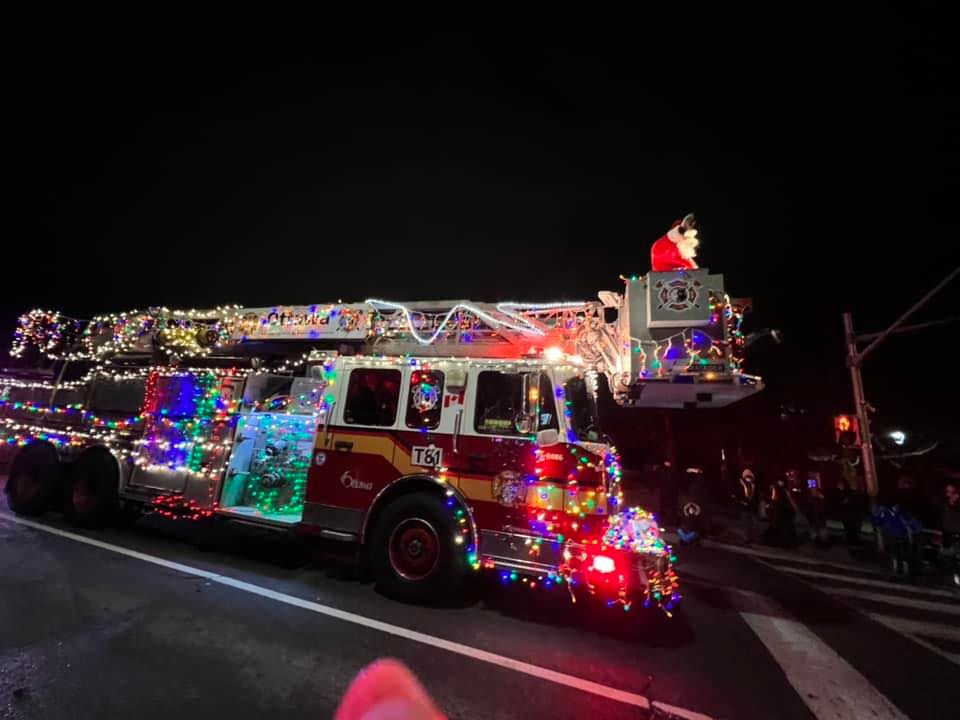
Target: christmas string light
734	317
514	310
69	410
188	424
20	434
44	329
177	507
662	347
410	327
602	549
184	332
277	480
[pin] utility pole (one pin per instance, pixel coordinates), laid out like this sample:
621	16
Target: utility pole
855	362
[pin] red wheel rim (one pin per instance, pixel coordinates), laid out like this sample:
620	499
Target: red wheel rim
26	484
414	549
82	497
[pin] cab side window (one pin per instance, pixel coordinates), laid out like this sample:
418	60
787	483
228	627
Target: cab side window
118	396
372	397
498	403
425	399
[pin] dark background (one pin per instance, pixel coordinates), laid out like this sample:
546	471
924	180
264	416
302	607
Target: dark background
198	159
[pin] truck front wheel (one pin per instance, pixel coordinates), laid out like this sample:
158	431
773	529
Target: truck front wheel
32	485
414	554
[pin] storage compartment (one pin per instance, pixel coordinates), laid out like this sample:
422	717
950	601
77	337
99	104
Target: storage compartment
267	476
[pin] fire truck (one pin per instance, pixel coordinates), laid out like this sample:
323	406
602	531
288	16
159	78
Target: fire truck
440	437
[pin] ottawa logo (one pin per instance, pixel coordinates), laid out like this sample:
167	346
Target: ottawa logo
350	482
552	457
678	295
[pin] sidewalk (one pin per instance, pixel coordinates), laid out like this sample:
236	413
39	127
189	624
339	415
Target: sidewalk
727	526
727	533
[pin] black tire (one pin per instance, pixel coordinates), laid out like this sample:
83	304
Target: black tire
129	514
34	476
93	500
413	553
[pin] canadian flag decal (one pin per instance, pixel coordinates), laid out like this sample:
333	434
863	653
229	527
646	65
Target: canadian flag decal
453	399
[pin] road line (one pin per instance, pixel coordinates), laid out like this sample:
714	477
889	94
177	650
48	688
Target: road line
829	686
587	686
948	608
900	587
918	627
774	555
915	630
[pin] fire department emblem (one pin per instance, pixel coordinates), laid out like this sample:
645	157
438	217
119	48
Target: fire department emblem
678	295
507	488
425	397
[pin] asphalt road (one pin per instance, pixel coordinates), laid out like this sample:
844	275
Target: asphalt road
179	620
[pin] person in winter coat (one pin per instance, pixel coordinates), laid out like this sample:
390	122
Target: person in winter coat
747	500
815	503
783	521
950	531
901	533
852	510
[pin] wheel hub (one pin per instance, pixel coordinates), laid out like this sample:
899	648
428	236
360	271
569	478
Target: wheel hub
414	549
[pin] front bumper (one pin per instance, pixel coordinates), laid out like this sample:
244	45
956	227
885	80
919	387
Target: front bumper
619	577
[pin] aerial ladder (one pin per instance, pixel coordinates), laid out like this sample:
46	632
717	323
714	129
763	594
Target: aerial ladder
668	340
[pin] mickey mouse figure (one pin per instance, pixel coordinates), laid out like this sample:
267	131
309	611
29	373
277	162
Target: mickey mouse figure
676	249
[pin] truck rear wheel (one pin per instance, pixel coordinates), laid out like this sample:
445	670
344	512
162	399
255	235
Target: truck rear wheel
413	552
94	483
32	485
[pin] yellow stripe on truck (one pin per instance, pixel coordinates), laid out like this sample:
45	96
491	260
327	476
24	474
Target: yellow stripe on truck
391	450
475	489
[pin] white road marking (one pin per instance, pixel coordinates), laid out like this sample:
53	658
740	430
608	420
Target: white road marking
770	554
914	629
901	587
828	684
948	608
919	627
587	686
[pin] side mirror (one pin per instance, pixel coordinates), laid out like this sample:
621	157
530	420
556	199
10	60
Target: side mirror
546	438
530	403
524	424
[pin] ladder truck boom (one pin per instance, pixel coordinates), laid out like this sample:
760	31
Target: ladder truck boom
670	339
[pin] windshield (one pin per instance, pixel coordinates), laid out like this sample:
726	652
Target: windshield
500	403
581	409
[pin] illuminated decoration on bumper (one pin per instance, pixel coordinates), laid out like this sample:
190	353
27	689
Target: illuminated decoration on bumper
636	531
617	555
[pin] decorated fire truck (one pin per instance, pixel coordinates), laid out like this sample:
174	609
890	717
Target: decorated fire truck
442	438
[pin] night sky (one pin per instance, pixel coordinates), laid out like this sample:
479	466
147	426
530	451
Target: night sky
197	160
